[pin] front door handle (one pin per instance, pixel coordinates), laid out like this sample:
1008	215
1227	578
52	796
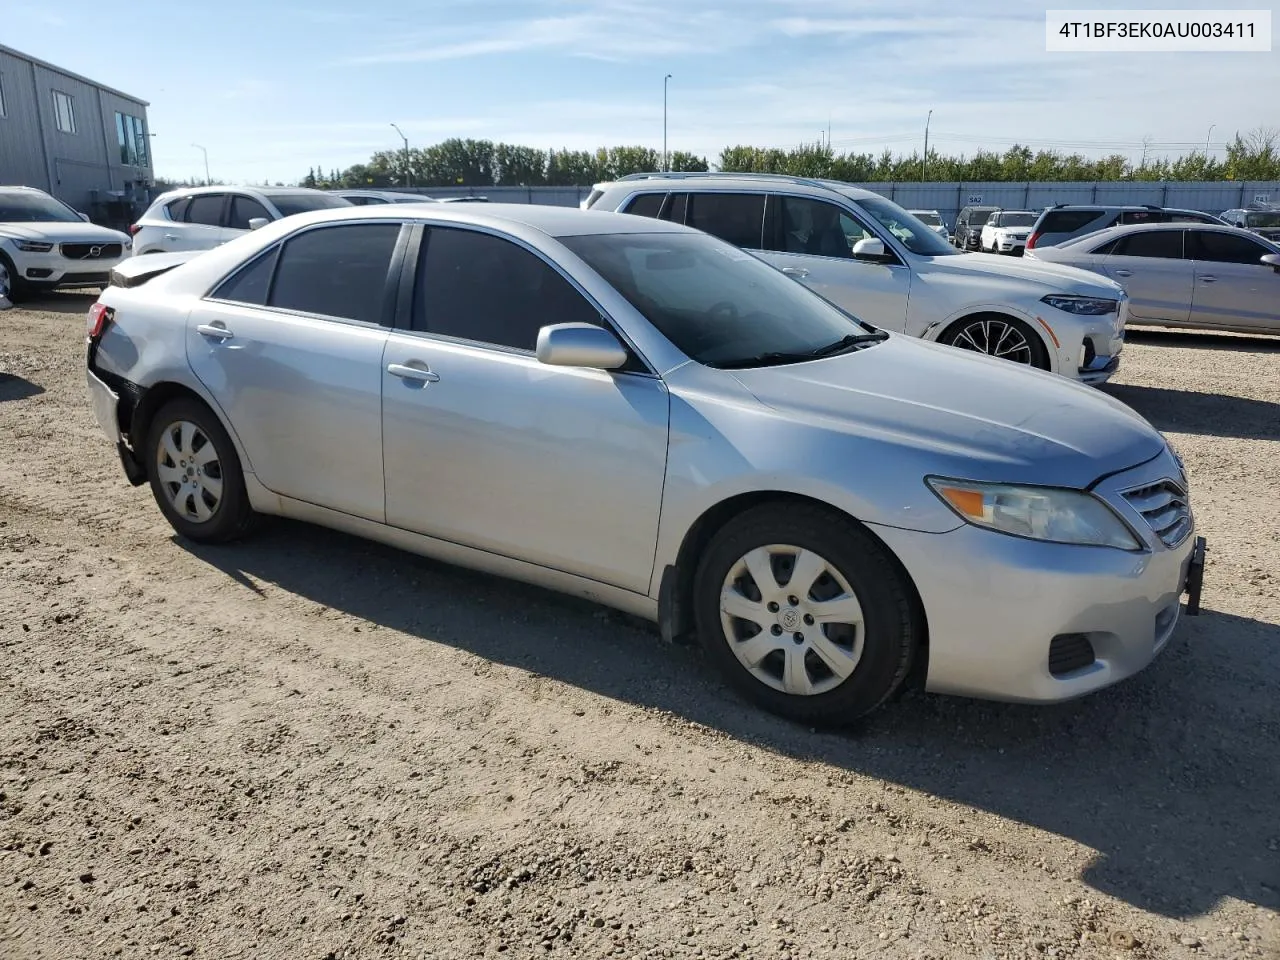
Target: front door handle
1209	279
214	330
797	273
171	236
1124	273
417	374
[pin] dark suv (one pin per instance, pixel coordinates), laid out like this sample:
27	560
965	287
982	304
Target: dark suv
969	224
1066	221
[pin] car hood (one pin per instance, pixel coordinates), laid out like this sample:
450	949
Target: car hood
963	414
1051	275
78	232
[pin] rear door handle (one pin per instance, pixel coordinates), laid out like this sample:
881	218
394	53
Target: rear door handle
796	272
171	236
1209	279
213	330
417	374
1124	273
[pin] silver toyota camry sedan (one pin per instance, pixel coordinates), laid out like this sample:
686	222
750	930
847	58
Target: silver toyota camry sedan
638	413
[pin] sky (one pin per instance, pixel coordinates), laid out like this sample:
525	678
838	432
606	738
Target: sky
274	87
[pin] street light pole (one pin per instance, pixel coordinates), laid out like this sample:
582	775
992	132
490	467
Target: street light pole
665	162
924	161
1206	140
408	176
207	179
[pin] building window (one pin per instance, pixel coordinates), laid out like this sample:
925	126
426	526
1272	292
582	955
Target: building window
64	113
1	94
132	138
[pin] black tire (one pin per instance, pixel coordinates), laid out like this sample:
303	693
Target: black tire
231	517
19	290
891	627
960	333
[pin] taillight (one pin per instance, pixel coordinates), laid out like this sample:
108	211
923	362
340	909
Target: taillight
134	228
1031	240
99	317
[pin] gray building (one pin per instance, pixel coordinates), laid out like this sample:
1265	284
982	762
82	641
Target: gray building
86	144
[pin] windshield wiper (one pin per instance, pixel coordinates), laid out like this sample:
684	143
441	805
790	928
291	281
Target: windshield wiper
845	344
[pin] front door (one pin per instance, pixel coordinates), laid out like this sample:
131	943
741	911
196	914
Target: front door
1233	288
812	241
486	447
1151	268
291	349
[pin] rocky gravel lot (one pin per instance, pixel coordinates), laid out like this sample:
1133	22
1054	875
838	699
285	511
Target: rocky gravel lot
307	746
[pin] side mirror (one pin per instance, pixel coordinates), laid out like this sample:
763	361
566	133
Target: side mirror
1272	260
580	345
870	249
83	216
257	223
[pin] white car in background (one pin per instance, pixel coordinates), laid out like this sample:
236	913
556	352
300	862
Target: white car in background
44	244
932	218
366	198
201	218
1184	274
1006	231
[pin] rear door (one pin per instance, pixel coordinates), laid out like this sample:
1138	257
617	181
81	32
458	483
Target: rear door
291	349
202	224
1151	268
812	241
1233	288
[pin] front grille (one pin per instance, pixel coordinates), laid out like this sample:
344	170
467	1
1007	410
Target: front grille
1069	652
1165	508
90	251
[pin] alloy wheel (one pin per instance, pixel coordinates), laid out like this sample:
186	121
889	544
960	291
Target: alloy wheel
6	282
189	470
792	619
995	338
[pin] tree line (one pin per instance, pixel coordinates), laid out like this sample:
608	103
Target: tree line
483	163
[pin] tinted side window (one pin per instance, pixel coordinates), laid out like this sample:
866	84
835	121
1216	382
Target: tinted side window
250	283
480	287
675	207
1189	218
1216	247
814	227
178	209
1143	216
1069	221
735	217
646	204
244	209
205	209
337	271
1164	244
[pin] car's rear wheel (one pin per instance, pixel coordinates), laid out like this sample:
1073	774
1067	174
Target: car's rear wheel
998	336
805	613
195	473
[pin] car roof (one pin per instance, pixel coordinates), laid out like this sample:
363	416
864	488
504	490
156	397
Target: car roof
232	188
653	182
1125	229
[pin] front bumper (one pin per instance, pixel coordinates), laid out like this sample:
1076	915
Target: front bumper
52	269
998	605
1007	245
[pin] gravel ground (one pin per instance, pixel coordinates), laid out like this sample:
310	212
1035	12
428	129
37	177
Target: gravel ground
307	746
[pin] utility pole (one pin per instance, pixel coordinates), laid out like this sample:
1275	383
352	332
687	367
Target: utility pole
207	180
924	161
1206	140
408	175
666	164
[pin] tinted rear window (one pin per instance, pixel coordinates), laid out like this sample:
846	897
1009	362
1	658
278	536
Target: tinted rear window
646	205
735	217
338	271
1163	244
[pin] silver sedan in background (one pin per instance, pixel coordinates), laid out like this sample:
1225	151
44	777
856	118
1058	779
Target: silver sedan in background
1184	275
636	412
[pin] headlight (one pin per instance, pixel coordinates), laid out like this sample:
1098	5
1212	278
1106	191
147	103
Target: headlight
1038	513
34	246
1082	306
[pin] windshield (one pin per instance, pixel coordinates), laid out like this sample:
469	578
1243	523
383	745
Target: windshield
1262	219
910	231
23	207
290	203
932	219
1017	220
720	306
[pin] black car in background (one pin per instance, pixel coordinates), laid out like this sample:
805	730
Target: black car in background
968	232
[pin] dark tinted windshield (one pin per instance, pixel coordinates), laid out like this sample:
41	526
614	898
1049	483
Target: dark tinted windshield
1016	219
290	203
1262	219
718	305
910	231
19	206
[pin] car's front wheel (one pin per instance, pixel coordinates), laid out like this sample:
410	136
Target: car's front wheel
805	613
12	287
998	336
195	473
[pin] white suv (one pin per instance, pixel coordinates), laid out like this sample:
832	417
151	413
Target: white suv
1006	231
200	218
872	258
44	244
